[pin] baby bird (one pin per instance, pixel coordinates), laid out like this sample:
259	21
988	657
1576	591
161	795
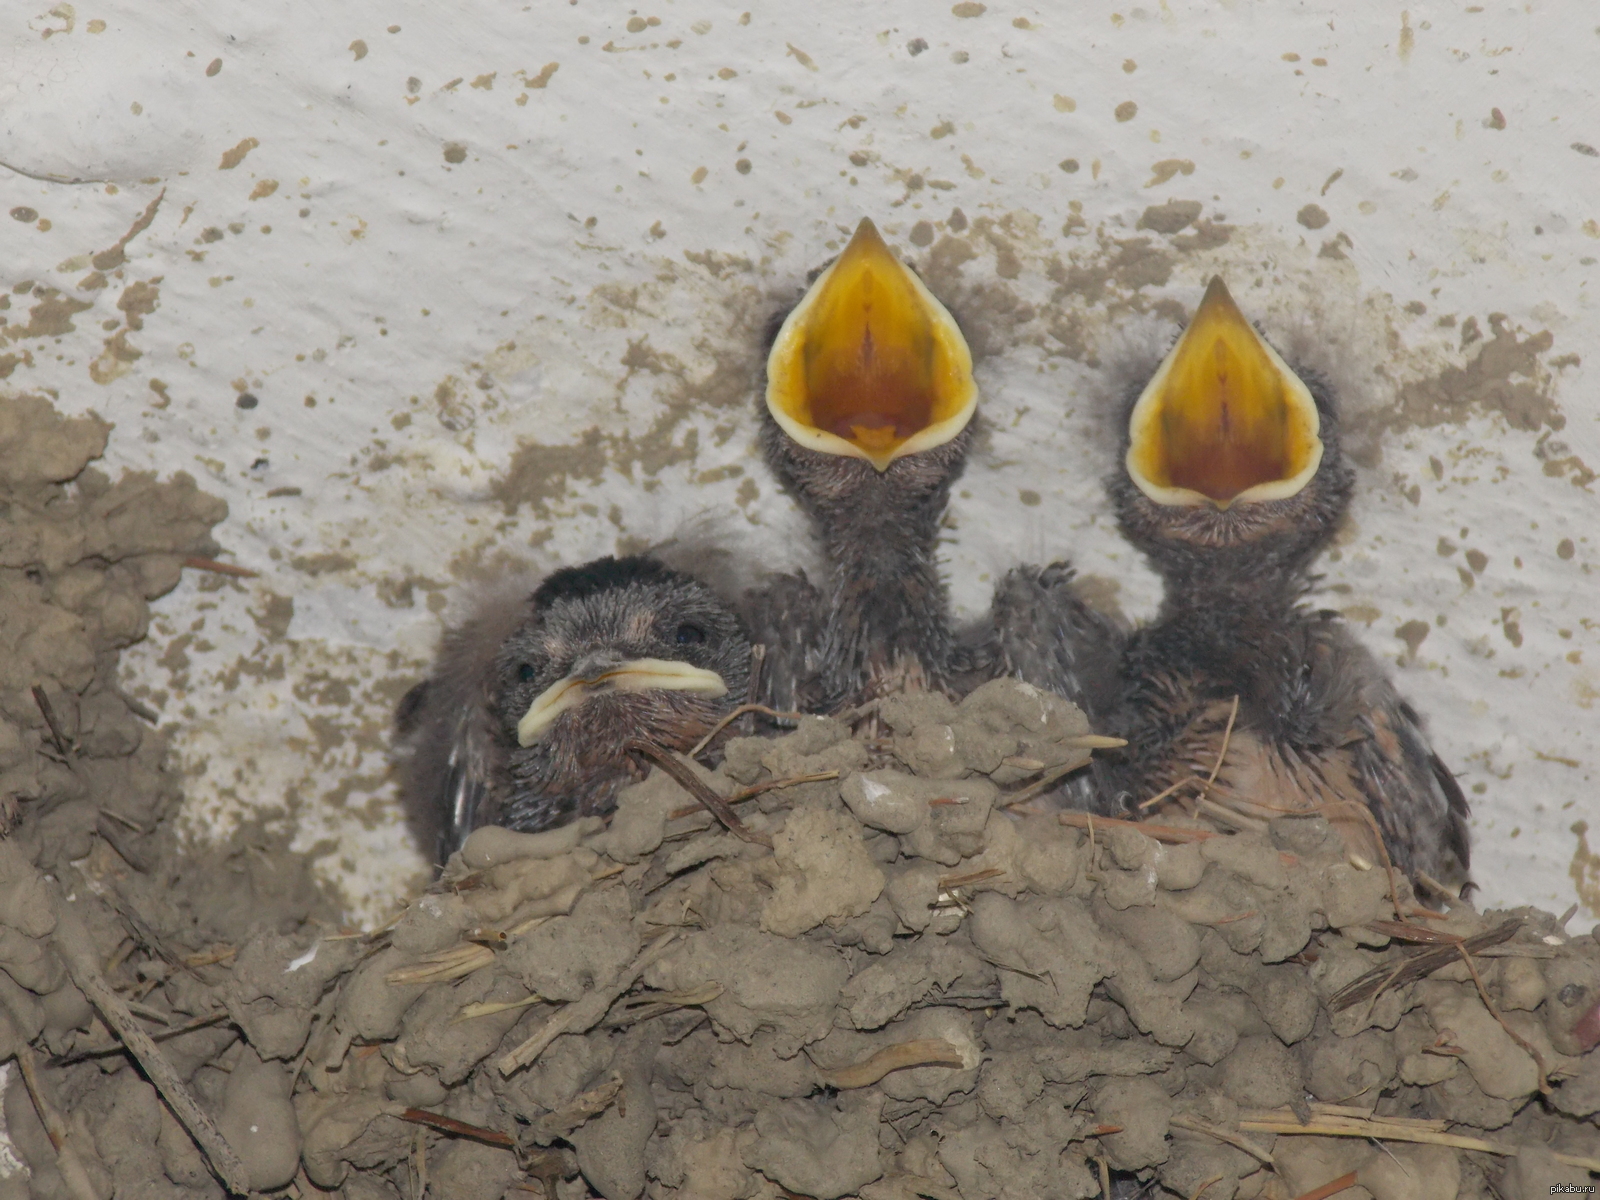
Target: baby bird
868	420
532	702
1233	483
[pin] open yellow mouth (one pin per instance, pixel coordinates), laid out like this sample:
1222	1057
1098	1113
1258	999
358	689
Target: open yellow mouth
869	365
1224	419
639	675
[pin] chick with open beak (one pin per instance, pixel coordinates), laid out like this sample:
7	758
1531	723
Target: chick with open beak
1233	482
868	419
525	719
869	405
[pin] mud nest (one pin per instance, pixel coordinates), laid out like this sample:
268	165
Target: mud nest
874	974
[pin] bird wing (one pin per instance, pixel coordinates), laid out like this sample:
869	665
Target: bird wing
785	615
1412	795
1415	798
1040	630
446	724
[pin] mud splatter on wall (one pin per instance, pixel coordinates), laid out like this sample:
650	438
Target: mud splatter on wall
428	296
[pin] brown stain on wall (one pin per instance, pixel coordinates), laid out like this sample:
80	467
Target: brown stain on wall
50	316
232	158
1505	376
117	356
1585	870
1114	273
540	474
108	260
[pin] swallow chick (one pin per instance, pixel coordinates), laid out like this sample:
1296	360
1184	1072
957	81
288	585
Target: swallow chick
1233	482
870	399
525	720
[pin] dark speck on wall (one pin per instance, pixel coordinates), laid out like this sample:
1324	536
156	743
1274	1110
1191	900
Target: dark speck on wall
1312	216
246	400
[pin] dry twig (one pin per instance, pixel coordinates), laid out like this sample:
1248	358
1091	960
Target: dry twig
685	777
584	1106
455	1128
1169	790
1332	1188
751	792
630	1010
947	882
457	962
67	1160
774	713
63	747
582	1015
1039	786
1483	994
78	952
1332	1121
489	1007
1222	752
1196	1125
1416	966
115	1046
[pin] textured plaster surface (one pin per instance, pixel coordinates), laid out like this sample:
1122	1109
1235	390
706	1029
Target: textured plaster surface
430	293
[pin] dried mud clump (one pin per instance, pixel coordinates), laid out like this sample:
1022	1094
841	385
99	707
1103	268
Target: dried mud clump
878	979
95	890
81	557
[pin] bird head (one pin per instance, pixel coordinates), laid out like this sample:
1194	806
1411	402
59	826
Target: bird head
1229	455
614	651
868	373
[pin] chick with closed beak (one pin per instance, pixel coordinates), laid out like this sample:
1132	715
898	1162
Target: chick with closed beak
525	718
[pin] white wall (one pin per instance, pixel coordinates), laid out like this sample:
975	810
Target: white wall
428	248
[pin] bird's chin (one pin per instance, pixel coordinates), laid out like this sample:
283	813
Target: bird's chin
824	480
1245	535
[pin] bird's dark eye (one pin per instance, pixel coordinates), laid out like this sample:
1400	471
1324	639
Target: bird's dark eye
526	672
690	635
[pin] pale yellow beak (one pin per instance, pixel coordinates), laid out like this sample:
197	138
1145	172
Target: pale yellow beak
1224	419
639	675
870	365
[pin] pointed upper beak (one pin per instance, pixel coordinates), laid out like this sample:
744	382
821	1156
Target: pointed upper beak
869	365
636	675
1224	419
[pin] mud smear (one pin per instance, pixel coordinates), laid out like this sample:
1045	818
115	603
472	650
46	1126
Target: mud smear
1509	376
1505	375
541	474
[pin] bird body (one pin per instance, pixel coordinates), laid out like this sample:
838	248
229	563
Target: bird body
1240	698
1293	716
533	700
883	610
1041	630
